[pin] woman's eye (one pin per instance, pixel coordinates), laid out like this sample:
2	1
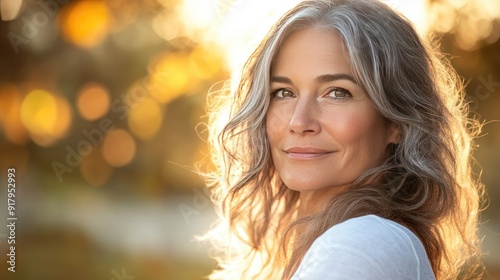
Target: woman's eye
339	93
283	93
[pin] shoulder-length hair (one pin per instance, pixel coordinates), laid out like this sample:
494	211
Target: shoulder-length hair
426	184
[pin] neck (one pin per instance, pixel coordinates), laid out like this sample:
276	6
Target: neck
313	202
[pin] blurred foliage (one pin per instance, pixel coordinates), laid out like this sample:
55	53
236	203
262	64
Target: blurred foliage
100	106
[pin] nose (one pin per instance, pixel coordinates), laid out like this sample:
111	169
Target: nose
305	118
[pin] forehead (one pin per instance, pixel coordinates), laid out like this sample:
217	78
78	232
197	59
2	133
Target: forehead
315	49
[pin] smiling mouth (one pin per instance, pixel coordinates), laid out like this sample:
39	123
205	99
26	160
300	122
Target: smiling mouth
306	153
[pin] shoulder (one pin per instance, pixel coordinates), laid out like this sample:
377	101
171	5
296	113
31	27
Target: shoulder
367	247
374	231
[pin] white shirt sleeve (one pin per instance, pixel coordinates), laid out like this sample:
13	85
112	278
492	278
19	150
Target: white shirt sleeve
363	248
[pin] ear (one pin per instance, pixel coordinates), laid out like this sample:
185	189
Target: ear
393	133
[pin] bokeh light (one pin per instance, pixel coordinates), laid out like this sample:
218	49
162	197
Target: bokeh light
85	23
93	101
9	9
200	15
472	22
145	119
167	25
64	117
170	76
95	169
39	112
119	148
46	116
205	61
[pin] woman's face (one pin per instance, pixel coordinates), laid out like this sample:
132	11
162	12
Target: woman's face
323	129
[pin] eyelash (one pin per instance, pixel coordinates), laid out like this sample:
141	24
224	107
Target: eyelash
274	93
341	90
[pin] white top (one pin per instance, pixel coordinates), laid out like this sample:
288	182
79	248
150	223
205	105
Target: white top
367	247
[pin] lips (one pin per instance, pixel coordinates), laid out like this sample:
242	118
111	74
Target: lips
306	152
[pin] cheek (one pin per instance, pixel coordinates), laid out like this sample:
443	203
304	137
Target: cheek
276	124
344	126
358	131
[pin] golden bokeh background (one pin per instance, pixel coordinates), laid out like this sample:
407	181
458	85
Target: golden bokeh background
102	110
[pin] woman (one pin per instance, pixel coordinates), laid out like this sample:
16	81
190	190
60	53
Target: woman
344	154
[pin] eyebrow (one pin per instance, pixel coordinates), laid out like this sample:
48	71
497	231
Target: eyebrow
319	79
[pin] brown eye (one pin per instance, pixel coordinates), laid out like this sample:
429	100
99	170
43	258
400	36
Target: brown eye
339	93
283	93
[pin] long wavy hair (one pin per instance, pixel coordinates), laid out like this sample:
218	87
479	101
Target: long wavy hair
426	184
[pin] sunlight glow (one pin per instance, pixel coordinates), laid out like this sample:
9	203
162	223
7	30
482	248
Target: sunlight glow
198	14
414	10
205	62
243	24
238	26
167	25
